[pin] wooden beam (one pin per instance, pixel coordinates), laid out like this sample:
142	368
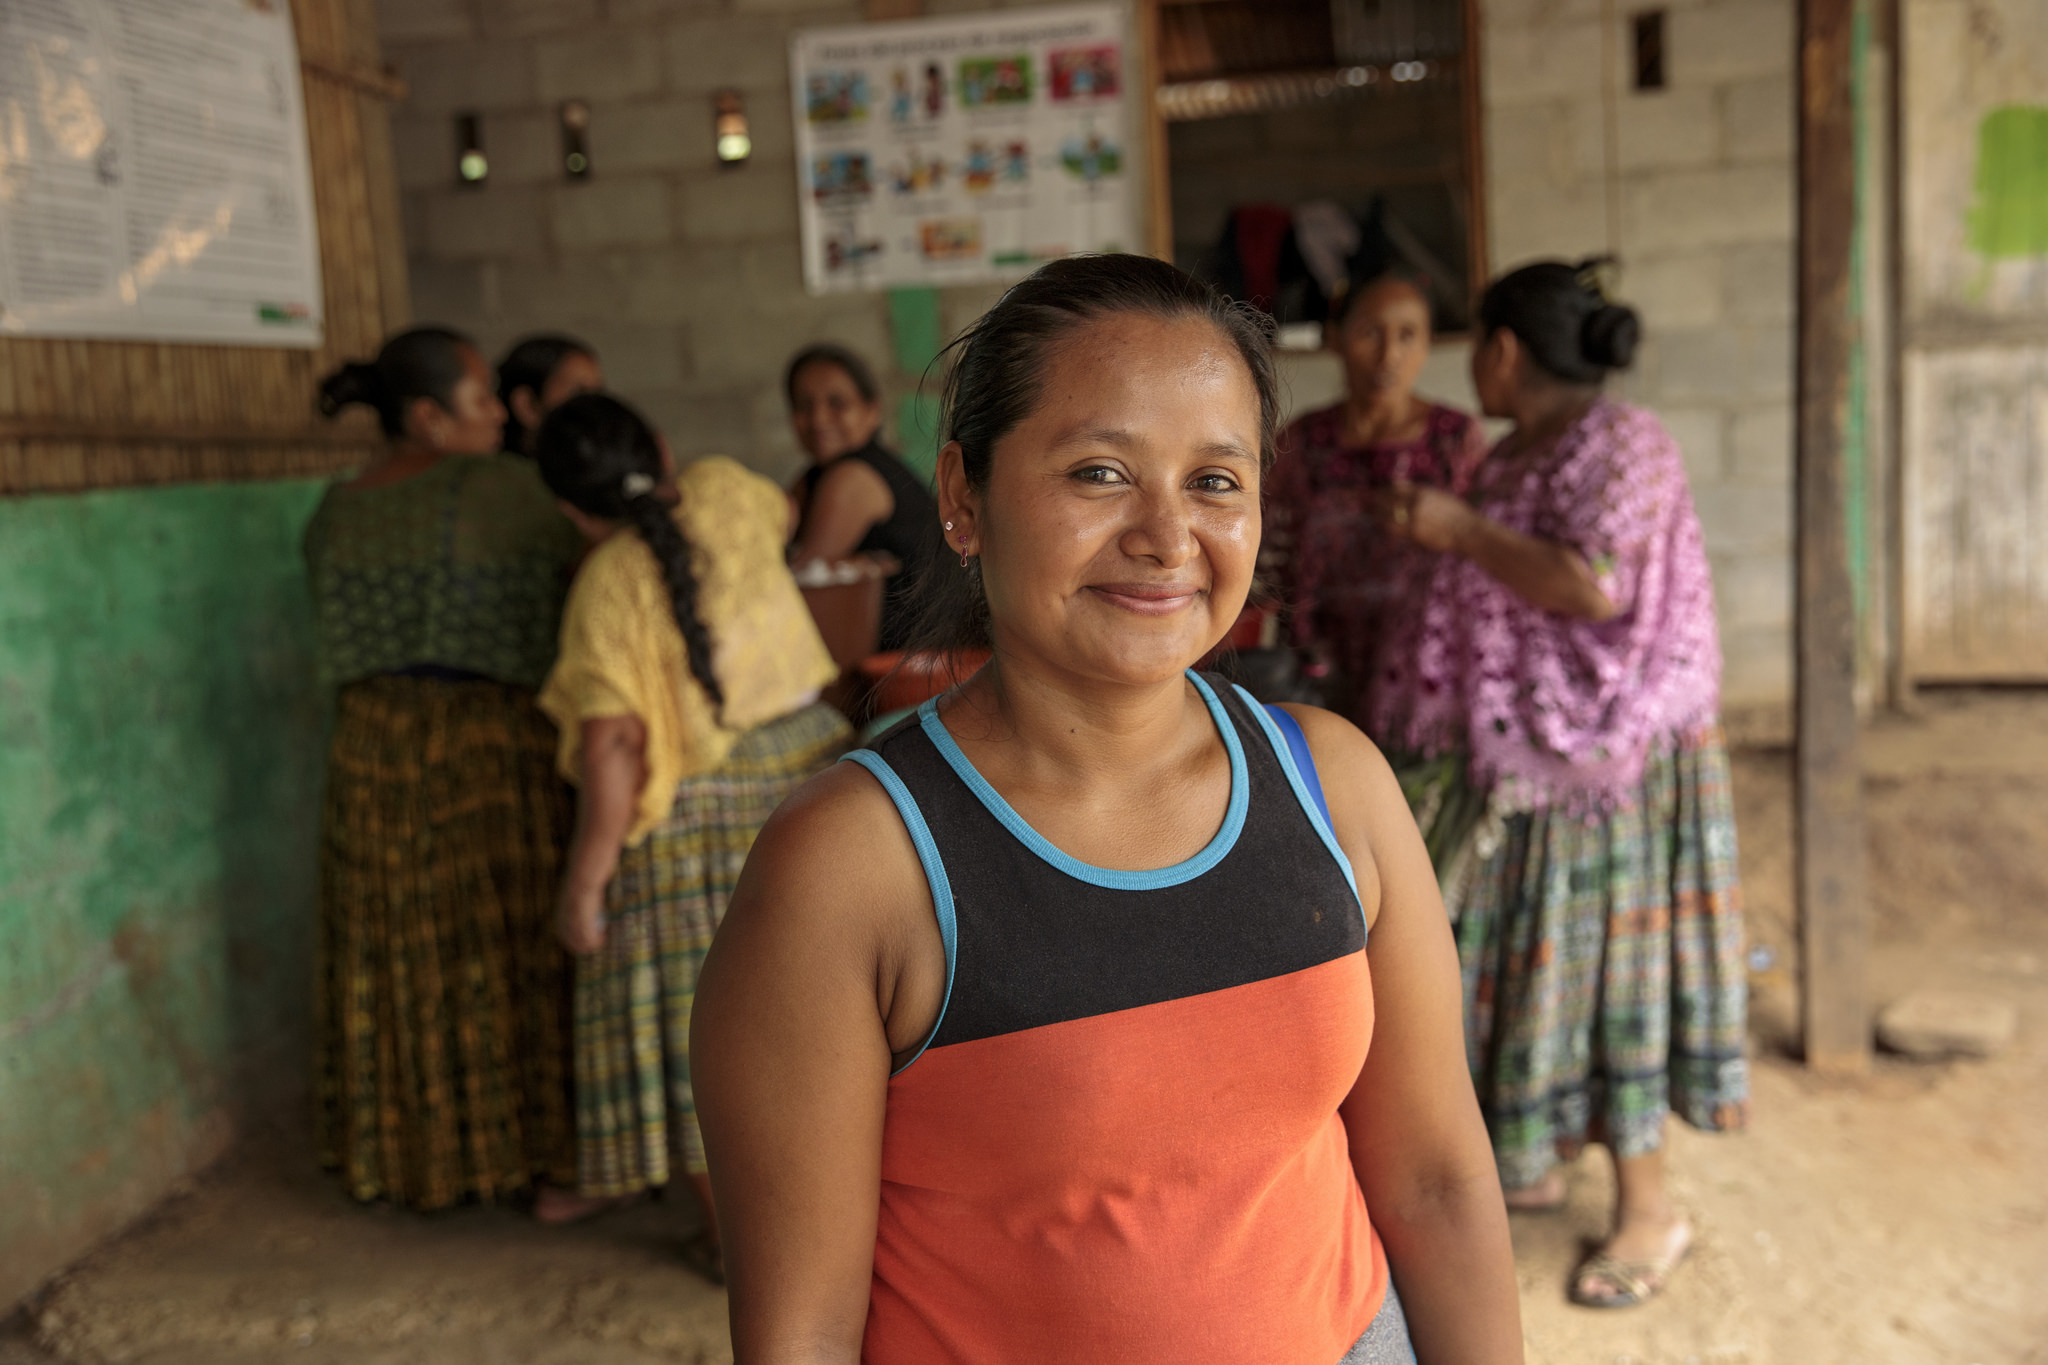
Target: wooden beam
1834	930
1158	151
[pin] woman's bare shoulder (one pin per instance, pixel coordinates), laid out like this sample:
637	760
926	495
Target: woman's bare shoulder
836	845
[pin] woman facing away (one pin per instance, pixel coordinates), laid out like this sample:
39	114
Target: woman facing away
1044	1030
687	696
538	375
438	577
1568	673
1345	581
857	497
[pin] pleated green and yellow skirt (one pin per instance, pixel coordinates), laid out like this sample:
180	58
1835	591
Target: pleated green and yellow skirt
1603	957
442	1072
635	1113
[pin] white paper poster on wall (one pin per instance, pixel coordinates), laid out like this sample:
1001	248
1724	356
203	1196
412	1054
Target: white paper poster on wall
948	151
154	180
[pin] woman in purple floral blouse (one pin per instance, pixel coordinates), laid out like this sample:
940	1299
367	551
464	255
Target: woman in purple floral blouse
1561	691
1342	578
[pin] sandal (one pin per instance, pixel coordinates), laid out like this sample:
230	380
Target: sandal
706	1257
1637	1281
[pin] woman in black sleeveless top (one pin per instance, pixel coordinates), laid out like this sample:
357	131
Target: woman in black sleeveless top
857	497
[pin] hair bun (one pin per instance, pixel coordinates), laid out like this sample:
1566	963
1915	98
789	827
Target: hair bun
355	382
1609	336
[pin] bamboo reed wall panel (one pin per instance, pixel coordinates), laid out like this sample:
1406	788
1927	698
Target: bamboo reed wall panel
100	414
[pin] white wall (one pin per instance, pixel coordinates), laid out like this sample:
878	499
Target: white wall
1693	188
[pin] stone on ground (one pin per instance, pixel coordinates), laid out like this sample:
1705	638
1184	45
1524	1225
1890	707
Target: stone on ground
1936	1024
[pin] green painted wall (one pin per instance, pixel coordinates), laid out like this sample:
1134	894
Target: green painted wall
160	770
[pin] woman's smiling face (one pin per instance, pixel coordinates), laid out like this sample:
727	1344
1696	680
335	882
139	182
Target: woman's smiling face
1120	524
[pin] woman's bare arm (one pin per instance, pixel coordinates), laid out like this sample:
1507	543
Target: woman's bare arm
1417	1140
849	499
1543	573
614	770
790	1048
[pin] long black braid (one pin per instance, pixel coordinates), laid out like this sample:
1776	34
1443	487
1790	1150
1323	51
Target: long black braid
601	457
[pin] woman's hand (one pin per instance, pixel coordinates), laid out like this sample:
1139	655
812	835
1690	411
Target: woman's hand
1423	515
579	919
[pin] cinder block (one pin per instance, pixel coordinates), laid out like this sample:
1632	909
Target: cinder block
1677	292
452	292
611	64
423	21
1753	592
1759	120
1757	282
1756	666
753	203
632	11
746	53
1673	211
1730	41
641	357
1700	365
700	422
650	135
423	146
1761	449
1771	370
1548	61
611	212
1530	216
518	18
489	223
444	77
1698	432
1551	143
1746	521
1667	130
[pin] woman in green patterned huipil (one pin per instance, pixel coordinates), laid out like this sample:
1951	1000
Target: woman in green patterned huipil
438	577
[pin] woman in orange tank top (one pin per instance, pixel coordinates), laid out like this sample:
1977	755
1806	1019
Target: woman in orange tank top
1044	1030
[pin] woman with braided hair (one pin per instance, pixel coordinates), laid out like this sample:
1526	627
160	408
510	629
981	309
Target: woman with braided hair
687	695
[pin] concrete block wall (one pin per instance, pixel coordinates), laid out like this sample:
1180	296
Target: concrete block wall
683	274
1692	187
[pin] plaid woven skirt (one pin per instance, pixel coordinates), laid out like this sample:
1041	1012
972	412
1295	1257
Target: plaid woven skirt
634	1109
442	1030
1603	968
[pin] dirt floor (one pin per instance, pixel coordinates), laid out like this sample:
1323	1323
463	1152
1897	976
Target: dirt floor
1897	1220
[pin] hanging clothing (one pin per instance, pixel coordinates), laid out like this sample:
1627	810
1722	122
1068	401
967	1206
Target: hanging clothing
1349	588
463	566
910	534
1121	1141
623	653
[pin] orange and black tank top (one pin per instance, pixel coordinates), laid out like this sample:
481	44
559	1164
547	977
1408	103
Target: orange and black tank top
1121	1141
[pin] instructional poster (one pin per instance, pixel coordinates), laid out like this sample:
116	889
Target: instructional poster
154	180
948	151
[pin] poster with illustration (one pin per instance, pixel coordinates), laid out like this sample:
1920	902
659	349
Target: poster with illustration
965	149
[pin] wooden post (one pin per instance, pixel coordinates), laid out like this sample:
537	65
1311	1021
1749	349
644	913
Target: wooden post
1828	784
1158	149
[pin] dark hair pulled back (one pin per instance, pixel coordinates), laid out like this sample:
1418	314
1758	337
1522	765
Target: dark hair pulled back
998	368
530	364
602	458
1356	289
1562	314
831	353
420	362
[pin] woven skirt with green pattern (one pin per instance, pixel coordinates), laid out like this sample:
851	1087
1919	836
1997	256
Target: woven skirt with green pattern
634	1111
443	994
1603	960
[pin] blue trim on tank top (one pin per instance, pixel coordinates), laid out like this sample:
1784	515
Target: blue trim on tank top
1109	878
934	875
1311	806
